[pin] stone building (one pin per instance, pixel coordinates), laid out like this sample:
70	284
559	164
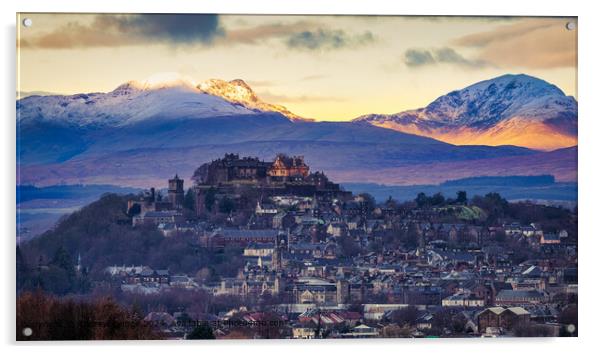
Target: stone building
502	318
175	192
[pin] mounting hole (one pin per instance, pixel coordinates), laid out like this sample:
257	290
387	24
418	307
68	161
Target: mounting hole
27	22
27	332
571	25
571	328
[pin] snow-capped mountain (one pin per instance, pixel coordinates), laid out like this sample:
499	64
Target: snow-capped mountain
508	110
237	91
145	131
136	101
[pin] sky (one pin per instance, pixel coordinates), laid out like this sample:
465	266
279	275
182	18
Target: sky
332	68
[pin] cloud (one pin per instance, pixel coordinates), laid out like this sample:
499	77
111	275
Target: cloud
448	55
313	77
325	39
421	57
418	57
270	83
110	30
260	83
282	99
530	43
120	30
460	18
257	34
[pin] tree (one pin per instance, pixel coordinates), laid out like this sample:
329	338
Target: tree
493	203
407	316
210	198
461	197
226	205
395	331
51	318
23	271
202	331
391	203
568	317
55	280
134	210
442	320
437	199
189	199
532	330
62	259
411	236
421	200
368	202
348	246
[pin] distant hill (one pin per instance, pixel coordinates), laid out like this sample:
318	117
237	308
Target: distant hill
513	181
540	188
27	193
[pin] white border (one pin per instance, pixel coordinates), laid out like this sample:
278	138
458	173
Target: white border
589	166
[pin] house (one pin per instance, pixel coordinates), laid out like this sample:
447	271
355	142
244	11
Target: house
304	331
361	331
168	230
549	239
354	223
266	209
502	318
425	321
377	311
243	237
251	286
336	229
147	276
304	250
283	220
182	281
513	229
313	291
463	299
158	217
329	318
258	250
520	297
142	275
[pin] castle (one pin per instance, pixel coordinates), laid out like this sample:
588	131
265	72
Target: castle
231	177
285	175
234	169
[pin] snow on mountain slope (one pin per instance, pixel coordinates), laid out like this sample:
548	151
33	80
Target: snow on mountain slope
137	101
507	110
127	104
237	91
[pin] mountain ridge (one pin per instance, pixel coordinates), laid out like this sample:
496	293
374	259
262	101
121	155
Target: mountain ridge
507	110
134	101
144	131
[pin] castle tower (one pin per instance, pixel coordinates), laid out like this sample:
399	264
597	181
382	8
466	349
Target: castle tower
175	192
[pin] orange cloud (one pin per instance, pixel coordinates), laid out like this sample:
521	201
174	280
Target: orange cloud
540	43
